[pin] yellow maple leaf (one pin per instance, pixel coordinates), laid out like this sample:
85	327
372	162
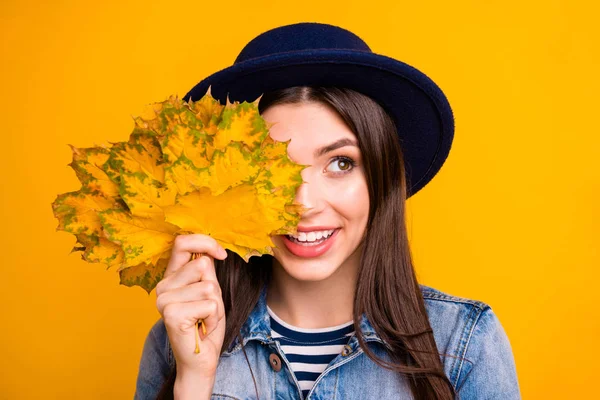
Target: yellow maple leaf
138	168
188	167
144	275
87	164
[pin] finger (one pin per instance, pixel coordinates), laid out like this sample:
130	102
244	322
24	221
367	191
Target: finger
212	320
185	245
182	317
200	269
195	292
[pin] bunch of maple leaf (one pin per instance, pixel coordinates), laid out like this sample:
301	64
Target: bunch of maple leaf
188	167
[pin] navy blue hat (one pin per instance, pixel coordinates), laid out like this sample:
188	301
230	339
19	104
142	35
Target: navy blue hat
314	54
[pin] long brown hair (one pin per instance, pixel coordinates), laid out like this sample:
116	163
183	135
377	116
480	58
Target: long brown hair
387	291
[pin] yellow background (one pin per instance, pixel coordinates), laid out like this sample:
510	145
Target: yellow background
512	219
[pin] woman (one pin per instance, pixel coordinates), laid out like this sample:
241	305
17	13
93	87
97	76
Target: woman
337	312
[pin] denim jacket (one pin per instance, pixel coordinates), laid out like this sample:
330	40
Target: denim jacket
474	348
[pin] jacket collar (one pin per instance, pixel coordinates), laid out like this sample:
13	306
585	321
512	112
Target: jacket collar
258	327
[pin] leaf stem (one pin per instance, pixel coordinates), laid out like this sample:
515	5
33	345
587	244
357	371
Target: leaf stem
197	350
201	321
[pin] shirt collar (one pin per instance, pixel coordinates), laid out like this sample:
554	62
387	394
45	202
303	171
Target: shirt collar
258	326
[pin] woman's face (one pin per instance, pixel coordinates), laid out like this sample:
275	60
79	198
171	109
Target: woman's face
334	188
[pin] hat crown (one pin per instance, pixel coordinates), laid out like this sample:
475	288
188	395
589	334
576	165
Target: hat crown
315	54
301	37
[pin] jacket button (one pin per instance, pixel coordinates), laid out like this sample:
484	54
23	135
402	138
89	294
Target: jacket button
346	350
275	362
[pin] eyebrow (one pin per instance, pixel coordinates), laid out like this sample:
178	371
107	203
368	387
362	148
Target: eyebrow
335	145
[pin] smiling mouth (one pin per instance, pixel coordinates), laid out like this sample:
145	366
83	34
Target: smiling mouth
311	243
307	244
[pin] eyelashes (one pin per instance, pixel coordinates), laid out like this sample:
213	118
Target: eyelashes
348	163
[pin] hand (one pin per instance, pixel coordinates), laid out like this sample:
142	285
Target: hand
188	292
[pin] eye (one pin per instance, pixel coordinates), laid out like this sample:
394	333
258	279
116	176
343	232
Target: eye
343	164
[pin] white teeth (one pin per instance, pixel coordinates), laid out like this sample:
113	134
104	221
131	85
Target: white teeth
312	236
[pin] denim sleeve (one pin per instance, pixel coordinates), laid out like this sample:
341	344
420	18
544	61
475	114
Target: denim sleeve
489	370
154	363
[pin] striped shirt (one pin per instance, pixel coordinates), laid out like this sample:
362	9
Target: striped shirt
309	351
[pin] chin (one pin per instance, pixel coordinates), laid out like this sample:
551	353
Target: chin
308	271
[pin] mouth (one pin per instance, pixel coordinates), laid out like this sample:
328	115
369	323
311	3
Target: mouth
308	248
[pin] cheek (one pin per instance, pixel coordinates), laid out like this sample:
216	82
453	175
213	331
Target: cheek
350	198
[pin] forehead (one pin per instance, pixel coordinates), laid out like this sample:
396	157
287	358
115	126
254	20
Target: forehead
308	125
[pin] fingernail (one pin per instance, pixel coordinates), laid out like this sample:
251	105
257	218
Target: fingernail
222	252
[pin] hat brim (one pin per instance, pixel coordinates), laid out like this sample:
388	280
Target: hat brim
420	109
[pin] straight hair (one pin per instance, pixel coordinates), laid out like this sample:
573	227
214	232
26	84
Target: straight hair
387	291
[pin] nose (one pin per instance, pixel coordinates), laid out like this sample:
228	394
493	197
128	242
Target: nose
309	195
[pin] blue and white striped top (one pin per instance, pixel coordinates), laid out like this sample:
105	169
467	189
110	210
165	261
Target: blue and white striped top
309	351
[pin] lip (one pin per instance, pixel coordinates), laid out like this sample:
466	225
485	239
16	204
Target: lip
310	251
315	228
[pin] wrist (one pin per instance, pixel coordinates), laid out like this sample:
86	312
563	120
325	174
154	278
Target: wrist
189	385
